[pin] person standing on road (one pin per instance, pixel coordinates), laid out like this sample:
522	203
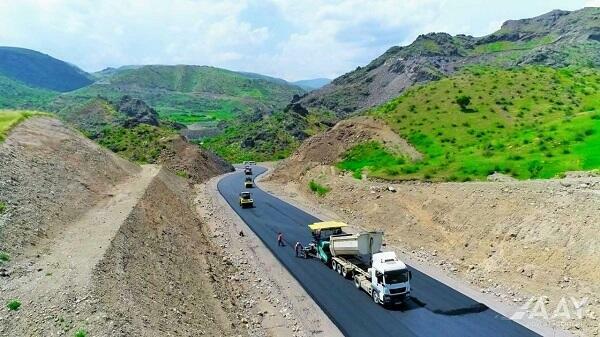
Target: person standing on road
280	239
298	248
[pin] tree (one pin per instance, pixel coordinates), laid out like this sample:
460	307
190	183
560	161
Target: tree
463	101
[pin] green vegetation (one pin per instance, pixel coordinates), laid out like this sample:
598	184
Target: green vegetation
182	174
320	190
192	94
463	102
532	122
372	156
11	118
503	46
263	140
142	143
2	207
81	333
16	95
4	257
13	305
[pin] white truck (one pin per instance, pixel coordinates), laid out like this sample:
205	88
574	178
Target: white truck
380	274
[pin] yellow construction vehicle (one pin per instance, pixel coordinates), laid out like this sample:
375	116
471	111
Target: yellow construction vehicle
246	200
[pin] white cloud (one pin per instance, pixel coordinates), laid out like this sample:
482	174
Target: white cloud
287	38
592	3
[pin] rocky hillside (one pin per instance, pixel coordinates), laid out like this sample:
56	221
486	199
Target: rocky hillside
557	39
39	70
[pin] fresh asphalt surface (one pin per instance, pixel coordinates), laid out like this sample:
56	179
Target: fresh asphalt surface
434	309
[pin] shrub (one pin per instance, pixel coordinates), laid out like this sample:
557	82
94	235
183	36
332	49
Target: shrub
4	257
81	333
13	305
463	102
2	207
320	190
182	174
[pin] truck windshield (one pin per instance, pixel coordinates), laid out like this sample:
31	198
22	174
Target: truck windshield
396	276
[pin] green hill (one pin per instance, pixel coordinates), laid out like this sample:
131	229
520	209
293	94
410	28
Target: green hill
532	122
190	94
16	95
39	70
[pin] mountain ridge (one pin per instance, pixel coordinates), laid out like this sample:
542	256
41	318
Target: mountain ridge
558	38
39	70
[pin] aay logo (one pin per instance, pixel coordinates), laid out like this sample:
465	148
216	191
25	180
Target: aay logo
537	307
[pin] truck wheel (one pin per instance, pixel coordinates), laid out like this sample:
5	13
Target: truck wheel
344	272
375	297
333	265
339	269
356	282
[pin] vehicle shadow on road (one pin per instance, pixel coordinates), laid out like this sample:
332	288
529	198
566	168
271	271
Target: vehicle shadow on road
414	303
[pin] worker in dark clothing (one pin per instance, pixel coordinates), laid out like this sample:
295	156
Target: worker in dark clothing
280	239
298	248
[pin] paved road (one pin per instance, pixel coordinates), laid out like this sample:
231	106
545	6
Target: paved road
434	310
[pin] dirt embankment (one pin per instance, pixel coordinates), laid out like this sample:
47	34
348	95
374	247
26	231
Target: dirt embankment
99	244
161	275
49	176
190	161
515	240
327	147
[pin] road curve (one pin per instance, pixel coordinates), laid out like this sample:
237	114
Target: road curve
434	310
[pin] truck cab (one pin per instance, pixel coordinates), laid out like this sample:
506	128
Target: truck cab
390	279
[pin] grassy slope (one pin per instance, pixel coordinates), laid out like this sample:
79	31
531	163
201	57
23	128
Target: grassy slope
190	94
15	95
533	122
11	118
141	144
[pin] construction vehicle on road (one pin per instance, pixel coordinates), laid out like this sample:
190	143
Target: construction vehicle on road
247	170
248	183
358	256
246	200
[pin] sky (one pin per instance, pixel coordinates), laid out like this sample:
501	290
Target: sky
290	39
